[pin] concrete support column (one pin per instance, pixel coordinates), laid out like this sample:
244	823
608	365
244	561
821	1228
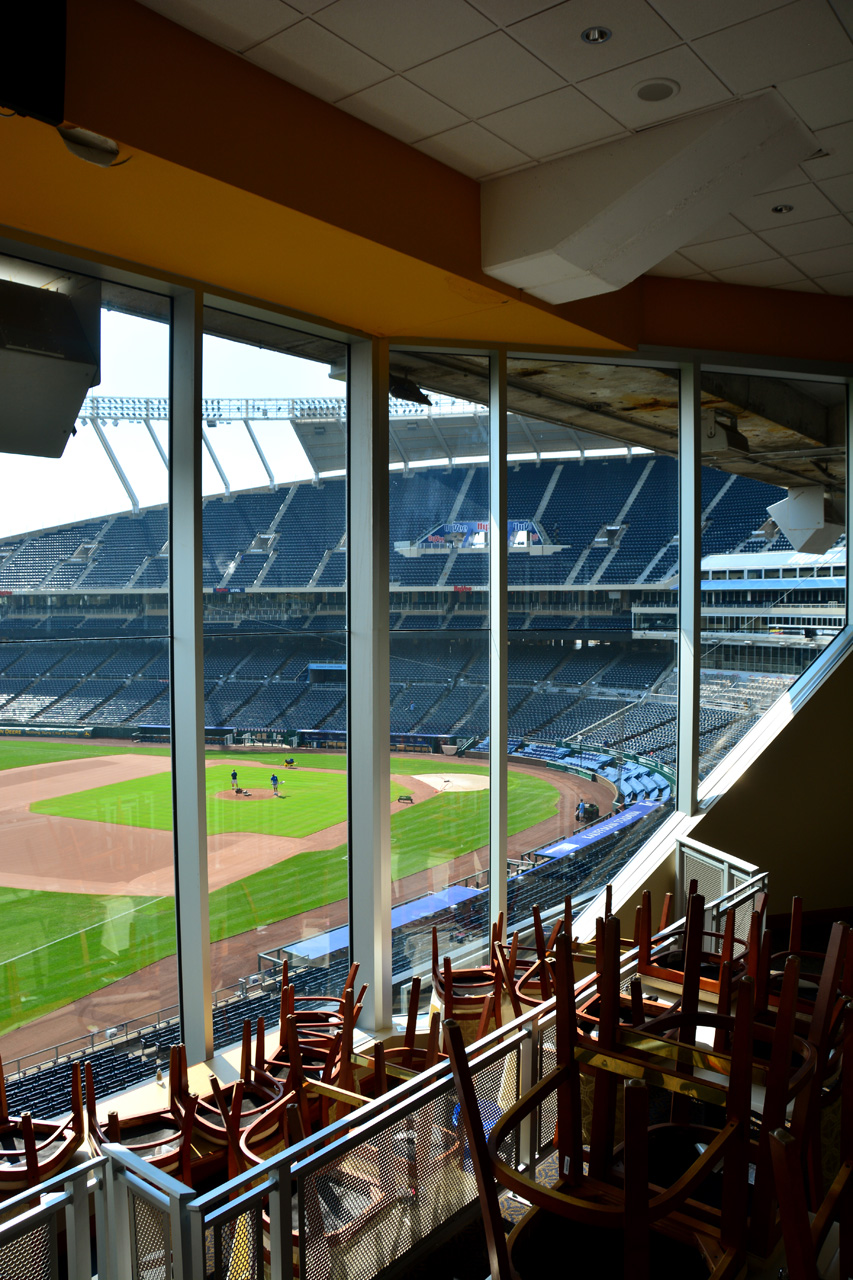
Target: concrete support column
368	690
187	677
689	588
497	635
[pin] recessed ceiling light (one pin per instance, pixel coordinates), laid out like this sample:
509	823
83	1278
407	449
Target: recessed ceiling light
782	208
657	90
596	35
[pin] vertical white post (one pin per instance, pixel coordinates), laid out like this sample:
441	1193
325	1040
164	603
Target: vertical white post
187	678
497	635
368	690
689	588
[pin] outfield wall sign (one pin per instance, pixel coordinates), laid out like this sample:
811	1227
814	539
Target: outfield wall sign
43	731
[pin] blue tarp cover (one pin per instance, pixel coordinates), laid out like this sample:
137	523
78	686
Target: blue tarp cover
325	944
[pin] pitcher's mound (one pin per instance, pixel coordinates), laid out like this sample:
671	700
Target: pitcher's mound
258	793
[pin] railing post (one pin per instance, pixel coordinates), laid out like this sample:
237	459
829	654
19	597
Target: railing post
528	1138
78	1247
281	1219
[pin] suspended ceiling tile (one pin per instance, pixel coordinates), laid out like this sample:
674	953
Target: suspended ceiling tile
736	251
473	150
221	21
405	33
841	284
775	274
503	12
318	61
822	98
823	233
837	142
486	76
721	230
616	91
555	36
701	17
675	265
794	178
310	6
825	262
554	123
840	191
776	46
807	200
805	286
402	109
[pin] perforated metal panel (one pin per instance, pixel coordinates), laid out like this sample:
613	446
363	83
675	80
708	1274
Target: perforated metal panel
743	914
548	1110
709	876
31	1256
368	1208
152	1249
235	1248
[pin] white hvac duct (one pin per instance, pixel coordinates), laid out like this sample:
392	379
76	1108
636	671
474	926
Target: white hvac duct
594	221
802	517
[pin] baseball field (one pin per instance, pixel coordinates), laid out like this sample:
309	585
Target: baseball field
86	879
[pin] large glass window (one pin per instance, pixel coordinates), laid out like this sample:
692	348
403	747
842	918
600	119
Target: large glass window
592	538
86	881
439	669
773	545
275	569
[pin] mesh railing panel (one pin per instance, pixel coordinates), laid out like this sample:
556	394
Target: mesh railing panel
30	1257
743	913
709	877
365	1210
151	1241
234	1249
548	1110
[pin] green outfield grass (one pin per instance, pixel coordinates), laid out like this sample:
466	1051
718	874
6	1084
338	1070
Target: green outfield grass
59	947
310	793
15	753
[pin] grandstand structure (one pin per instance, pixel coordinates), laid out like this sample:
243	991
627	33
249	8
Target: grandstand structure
592	595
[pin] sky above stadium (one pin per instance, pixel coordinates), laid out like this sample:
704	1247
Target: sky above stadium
82	484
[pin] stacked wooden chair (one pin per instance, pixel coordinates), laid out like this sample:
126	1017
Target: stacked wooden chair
33	1150
609	1217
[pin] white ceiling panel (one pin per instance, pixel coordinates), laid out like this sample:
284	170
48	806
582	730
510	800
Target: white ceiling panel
794	178
503	12
487	76
556	122
825	262
473	150
616	91
700	17
775	274
675	266
402	109
736	251
781	45
840	284
318	61
838	144
809	203
222	22
805	286
823	98
840	192
555	35
825	233
404	33
721	230
311	6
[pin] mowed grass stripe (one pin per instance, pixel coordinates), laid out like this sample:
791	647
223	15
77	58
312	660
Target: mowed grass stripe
106	949
16	753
